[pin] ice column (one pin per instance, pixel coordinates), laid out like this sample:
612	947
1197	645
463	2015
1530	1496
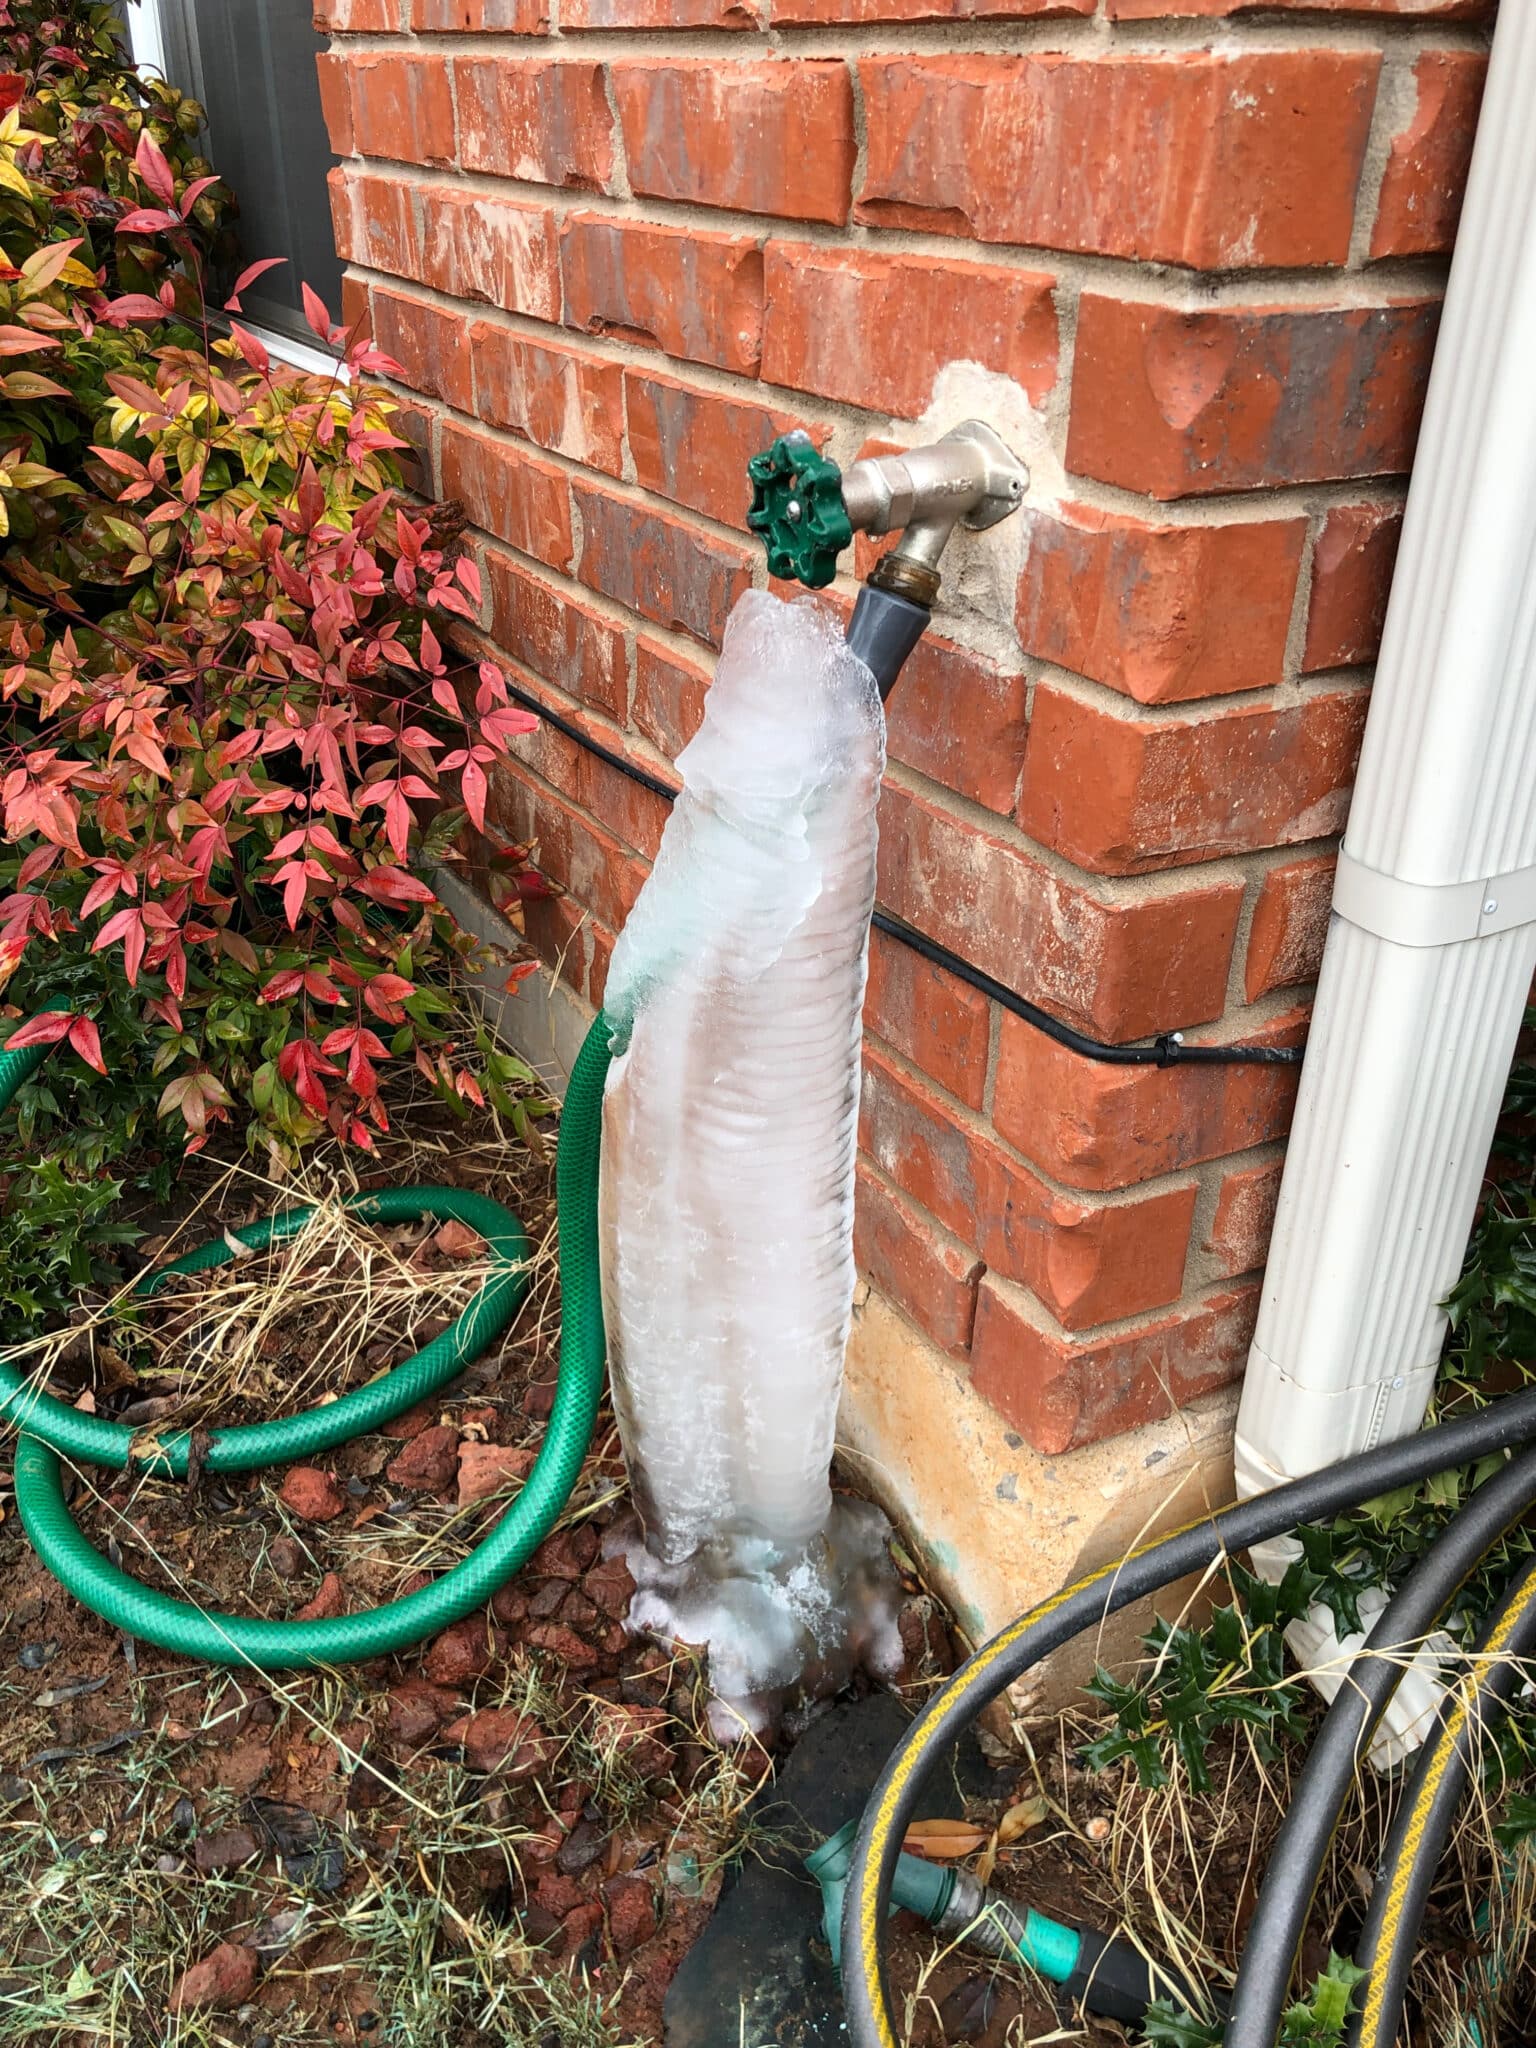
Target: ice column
729	1129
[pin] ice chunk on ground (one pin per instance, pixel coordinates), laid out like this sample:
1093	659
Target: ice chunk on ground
729	1129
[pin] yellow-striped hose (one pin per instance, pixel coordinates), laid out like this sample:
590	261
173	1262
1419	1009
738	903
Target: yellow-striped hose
1428	1812
1057	1620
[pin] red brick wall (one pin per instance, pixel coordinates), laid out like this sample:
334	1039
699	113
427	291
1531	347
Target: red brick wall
619	244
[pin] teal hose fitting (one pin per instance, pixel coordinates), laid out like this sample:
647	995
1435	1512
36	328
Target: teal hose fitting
1107	1975
955	1903
49	1427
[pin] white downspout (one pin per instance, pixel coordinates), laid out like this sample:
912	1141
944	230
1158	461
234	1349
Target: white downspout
1432	941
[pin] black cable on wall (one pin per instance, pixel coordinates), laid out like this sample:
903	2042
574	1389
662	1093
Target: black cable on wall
1167	1050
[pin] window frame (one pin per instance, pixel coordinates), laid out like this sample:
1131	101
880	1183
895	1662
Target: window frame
165	40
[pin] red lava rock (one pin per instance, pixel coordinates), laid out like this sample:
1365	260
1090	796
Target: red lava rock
429	1460
413	1583
329	1600
509	1604
499	1739
566	1554
244	1767
224	1851
224	1979
459	1654
636	1734
485	1469
576	1610
631	1913
411	1423
563	1643
610	1586
558	1894
545	1601
578	1927
312	1495
415	1710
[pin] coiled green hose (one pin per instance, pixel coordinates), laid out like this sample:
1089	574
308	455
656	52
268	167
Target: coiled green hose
50	1427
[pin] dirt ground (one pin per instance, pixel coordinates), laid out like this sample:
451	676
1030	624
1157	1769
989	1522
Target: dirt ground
515	1833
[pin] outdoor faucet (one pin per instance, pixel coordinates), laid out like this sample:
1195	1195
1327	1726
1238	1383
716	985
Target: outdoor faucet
807	511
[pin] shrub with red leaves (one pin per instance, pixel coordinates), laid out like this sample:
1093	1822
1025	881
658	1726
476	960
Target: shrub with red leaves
234	746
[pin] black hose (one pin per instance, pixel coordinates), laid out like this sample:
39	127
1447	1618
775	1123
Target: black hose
1424	1821
1296	1859
1169	1050
1054	1622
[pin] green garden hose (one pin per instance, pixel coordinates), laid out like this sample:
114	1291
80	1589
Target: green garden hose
49	1427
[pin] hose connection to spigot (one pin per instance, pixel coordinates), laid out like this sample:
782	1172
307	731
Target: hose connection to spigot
807	511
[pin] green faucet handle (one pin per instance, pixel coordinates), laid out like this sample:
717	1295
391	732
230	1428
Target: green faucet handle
797	507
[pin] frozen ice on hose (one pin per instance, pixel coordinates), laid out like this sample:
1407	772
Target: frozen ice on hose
728	1153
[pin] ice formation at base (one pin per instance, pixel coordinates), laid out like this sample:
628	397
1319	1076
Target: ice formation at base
729	1127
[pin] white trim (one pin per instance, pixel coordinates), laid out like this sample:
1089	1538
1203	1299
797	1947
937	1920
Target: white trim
302	355
146	35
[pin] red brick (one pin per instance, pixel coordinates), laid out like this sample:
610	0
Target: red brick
558	637
508	493
502	252
402	107
1063	1394
557	928
669	696
357	17
356	313
1418	10
1159	612
574	850
562	398
1121	796
576	15
770	138
876	329
914	1263
375	222
1225	162
1426	172
959	718
667	569
1236	398
1290	923
1120	969
690	293
1096	1126
693	446
502	17
1238	1239
856	13
1089	1262
634	814
543	120
336	100
932	1019
1352	566
429	345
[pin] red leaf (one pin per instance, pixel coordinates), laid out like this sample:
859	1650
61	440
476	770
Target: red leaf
147	220
316	314
249	276
85	1039
46	1029
395	885
149	159
251	347
472	787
